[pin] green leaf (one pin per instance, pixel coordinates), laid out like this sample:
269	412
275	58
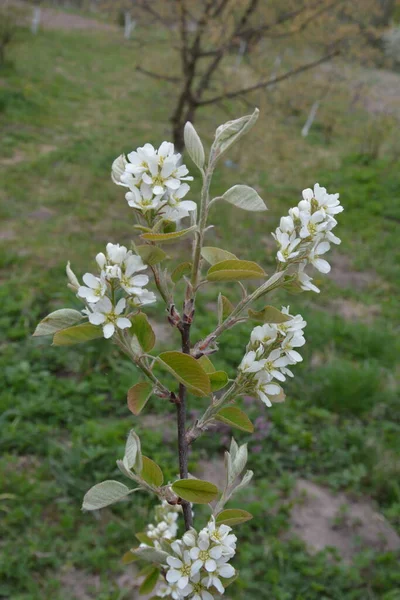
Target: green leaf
233	516
235	417
206	364
151	255
230	132
150	582
186	370
225	307
144	538
105	493
216	255
193	145
168	226
128	558
195	490
151	472
244	197
181	270
218	380
269	314
138	396
133	453
235	270
77	334
143	331
59	319
150	555
167	237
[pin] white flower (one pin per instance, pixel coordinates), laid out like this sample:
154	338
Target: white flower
118	168
264	388
95	290
250	364
223	570
295	340
105	314
169	591
204	555
131	283
306	281
177	208
139	160
263	334
314	257
312	224
112	260
286	224
329	203
198	588
145	297
287	245
180	569
221	535
273	363
296	323
143	198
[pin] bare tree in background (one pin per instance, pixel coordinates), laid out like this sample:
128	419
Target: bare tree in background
213	37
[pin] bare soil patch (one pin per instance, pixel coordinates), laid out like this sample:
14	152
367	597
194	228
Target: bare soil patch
355	311
345	276
57	19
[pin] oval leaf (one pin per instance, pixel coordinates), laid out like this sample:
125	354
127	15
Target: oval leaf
181	270
151	472
186	370
216	255
150	555
206	364
151	255
138	395
57	320
225	307
195	490
230	132
233	516
235	270
143	331
77	334
244	197
233	416
167	237
193	145
218	380
105	493
269	314
150	582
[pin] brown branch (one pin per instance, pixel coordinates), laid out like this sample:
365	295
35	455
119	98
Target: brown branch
158	75
269	82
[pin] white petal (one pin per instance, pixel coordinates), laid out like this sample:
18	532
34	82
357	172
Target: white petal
210	565
123	323
108	330
322	265
96	318
90	280
120	306
173	576
226	571
172	561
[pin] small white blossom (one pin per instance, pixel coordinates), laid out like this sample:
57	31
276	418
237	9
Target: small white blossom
250	364
145	297
95	288
177	208
264	388
105	314
273	363
142	198
263	334
294	340
205	555
287	245
306	281
315	257
329	203
197	588
180	569
223	570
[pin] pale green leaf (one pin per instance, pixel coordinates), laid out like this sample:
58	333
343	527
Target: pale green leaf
193	145
138	396
133	452
269	314
225	307
186	370
150	555
229	133
233	416
218	380
150	582
151	255
167	237
235	270
144	538
105	493
215	255
244	197
181	270
151	472
77	334
195	490
143	331
206	364
233	516
58	320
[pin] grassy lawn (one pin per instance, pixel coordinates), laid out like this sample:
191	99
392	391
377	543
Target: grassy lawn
70	102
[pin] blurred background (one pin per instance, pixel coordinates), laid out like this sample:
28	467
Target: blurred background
83	81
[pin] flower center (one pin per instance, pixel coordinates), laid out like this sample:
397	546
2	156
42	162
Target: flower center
204	555
158	180
185	570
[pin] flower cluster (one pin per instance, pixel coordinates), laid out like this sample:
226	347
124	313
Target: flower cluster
306	233
118	269
199	562
166	526
270	351
154	178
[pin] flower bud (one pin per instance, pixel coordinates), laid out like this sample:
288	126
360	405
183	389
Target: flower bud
72	278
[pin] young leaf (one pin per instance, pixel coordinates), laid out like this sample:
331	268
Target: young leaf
151	472
143	331
193	145
244	197
206	364
195	490
105	493
230	132
128	558
138	395
235	270
233	516
150	582
225	307
77	334
150	555
186	370
151	255
144	538
167	237
133	452
216	255
59	319
181	270
235	417
269	314
218	380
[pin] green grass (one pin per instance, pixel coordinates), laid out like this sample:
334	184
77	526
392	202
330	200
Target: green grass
69	104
